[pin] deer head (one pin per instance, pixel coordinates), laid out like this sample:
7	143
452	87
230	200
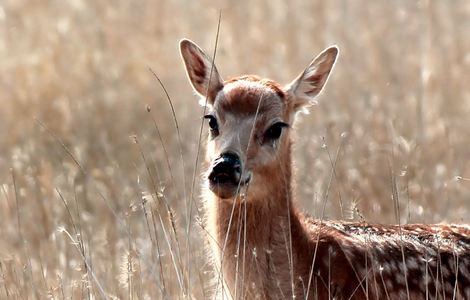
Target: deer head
250	118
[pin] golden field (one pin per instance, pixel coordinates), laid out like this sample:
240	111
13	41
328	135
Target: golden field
100	173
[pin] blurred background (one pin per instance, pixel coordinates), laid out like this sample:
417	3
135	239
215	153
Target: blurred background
95	199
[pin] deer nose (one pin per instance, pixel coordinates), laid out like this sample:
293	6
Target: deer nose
226	169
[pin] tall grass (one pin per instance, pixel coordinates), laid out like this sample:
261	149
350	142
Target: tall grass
94	194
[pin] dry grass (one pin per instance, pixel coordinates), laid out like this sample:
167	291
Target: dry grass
93	202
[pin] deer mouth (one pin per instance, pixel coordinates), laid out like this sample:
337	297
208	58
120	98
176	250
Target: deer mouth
225	185
224	178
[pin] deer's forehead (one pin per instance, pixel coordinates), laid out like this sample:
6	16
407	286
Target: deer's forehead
243	97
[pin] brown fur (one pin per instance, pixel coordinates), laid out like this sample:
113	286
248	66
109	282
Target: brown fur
266	249
352	261
271	84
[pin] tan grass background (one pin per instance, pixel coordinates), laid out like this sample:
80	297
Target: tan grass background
75	85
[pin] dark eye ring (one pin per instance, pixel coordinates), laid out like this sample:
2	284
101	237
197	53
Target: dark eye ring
274	132
214	127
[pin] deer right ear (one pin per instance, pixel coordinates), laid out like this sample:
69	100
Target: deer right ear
198	67
311	81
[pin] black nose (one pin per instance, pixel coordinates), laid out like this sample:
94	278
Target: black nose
226	169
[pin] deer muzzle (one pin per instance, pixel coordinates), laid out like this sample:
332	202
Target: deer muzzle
225	175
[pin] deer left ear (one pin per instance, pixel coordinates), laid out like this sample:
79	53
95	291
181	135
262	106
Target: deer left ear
311	81
204	77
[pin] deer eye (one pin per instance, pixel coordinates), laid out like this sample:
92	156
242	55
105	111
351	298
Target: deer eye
214	127
274	132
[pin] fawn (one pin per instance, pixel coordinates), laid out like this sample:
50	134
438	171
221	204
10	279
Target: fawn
262	245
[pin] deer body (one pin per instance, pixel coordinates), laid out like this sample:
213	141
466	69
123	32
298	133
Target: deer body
263	247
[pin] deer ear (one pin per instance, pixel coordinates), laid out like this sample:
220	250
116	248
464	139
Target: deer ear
311	81
198	67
